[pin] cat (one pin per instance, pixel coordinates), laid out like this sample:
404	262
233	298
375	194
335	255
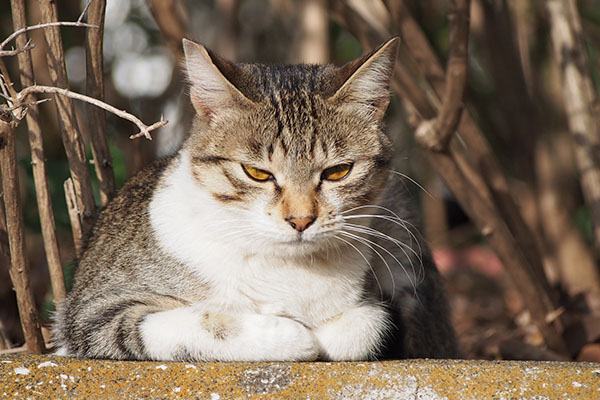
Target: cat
276	233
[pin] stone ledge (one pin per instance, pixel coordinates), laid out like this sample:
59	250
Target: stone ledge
51	377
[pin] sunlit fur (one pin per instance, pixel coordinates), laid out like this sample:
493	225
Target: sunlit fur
197	259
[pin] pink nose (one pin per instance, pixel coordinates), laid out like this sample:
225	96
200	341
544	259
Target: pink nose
300	224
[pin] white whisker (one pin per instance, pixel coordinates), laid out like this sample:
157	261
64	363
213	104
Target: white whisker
246	231
400	222
366	242
367	261
382	235
410	279
413	181
373	232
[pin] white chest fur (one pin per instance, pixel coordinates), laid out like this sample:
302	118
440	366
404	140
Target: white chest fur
201	233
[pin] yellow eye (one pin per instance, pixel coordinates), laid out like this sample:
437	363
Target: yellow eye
257	174
337	172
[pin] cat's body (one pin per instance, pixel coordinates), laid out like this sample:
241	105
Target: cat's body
256	241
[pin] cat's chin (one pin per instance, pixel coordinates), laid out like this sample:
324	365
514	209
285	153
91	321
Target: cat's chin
300	247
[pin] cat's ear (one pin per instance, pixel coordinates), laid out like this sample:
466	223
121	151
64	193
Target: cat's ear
211	92
365	82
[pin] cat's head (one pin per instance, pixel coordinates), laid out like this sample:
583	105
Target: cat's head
289	149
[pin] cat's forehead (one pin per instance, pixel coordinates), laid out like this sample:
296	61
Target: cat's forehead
262	82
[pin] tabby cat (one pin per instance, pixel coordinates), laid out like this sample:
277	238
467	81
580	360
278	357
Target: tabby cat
276	233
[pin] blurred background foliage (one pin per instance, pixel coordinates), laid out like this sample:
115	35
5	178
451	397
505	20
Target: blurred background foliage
514	92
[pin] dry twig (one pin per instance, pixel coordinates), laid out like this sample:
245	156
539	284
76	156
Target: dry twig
38	161
580	101
172	20
71	136
19	265
438	137
76	230
29	46
95	89
144	129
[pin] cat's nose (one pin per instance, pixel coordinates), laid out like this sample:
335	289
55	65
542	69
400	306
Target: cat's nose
300	224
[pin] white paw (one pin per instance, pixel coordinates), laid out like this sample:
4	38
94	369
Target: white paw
213	336
62	352
271	338
354	335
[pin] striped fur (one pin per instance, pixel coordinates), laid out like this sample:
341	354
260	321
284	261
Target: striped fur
196	260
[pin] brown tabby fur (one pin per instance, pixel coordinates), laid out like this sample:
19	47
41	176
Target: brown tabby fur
290	116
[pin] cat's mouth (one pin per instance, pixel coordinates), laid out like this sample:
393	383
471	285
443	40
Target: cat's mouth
299	240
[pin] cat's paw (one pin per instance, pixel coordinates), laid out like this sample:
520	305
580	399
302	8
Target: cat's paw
272	338
354	335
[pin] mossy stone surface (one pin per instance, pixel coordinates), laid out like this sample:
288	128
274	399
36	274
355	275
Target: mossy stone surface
51	377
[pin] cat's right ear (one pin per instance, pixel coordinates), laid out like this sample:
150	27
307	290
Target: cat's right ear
365	87
211	92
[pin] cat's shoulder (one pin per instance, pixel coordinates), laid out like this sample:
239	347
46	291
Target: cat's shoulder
140	188
129	206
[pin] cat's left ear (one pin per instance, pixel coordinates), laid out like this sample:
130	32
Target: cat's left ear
211	92
365	86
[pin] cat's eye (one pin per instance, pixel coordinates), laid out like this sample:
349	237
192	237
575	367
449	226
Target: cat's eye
336	173
257	174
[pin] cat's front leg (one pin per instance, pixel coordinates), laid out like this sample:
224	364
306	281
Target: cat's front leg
194	334
354	335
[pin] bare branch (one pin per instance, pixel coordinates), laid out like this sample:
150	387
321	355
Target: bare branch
19	264
437	139
24	107
4	87
149	129
94	86
85	9
21	31
14	52
38	159
172	20
580	100
7	83
144	129
76	228
68	125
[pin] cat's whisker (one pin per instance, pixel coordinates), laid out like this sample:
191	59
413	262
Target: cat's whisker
382	235
399	244
219	221
413	279
371	206
367	261
392	218
365	242
417	184
244	232
223	231
400	222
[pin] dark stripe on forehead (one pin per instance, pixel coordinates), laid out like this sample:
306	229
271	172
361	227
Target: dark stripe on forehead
270	151
324	147
209	159
255	148
314	119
